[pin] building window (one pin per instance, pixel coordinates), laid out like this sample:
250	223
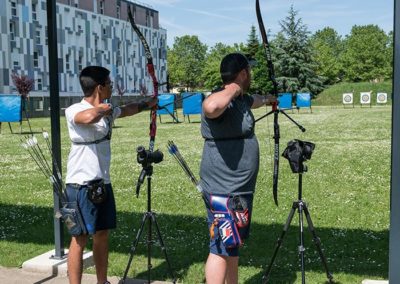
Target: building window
46	36
80	61
38	104
76	4
13	8
147	19
12	31
35	59
38	37
102	7
39	84
134	12
15	65
67	62
118	10
34	12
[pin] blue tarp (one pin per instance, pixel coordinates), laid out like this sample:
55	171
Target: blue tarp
285	101
10	108
166	99
303	100
191	103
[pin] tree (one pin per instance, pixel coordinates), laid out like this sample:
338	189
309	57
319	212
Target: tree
261	82
295	64
389	55
211	75
365	56
260	79
328	48
186	60
253	44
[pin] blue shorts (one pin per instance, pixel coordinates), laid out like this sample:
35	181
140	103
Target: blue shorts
96	217
216	245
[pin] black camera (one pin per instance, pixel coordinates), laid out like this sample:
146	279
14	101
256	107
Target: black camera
145	157
297	152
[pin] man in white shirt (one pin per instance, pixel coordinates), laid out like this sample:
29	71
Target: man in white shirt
88	181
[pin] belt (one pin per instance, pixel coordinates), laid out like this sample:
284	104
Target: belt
75	185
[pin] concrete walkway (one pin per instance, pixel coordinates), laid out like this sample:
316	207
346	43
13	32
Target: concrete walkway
46	269
21	276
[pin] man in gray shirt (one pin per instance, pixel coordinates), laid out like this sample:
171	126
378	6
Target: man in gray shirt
230	162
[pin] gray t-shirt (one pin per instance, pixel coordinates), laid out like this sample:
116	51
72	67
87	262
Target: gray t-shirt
230	158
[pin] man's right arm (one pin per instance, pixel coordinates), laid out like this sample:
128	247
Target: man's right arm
216	104
93	115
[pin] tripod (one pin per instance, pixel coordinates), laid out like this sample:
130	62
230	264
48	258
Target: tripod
301	206
146	158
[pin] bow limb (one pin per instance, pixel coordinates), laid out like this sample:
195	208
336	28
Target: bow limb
151	71
271	74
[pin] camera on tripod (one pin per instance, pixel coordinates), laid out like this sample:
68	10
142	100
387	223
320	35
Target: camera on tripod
145	157
297	152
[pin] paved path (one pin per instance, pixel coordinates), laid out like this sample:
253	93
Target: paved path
20	276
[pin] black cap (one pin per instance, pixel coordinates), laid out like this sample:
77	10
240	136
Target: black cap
232	64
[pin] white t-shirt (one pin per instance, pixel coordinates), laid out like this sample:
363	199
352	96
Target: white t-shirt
88	162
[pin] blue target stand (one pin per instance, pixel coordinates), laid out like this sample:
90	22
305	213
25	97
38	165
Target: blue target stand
11	108
167	106
285	101
192	104
303	100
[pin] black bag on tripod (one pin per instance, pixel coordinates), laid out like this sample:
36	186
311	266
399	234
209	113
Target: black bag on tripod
297	152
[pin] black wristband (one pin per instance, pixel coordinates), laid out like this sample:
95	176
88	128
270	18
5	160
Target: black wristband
142	106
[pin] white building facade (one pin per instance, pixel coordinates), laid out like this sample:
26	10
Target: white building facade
89	32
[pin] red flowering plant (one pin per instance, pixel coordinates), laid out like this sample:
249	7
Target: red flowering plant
23	83
120	91
24	86
143	90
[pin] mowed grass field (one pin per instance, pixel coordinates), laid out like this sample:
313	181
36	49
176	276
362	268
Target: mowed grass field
347	189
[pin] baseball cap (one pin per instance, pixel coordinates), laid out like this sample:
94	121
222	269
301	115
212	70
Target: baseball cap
232	64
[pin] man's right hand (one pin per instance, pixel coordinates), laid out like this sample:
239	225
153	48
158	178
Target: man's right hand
105	109
234	89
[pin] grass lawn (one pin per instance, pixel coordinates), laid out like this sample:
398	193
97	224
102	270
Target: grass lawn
346	188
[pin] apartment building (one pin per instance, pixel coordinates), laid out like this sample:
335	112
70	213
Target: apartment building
89	32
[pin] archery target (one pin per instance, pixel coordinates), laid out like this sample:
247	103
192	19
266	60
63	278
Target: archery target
381	98
365	97
347	98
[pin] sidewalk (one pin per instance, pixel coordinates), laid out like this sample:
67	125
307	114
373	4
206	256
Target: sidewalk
20	276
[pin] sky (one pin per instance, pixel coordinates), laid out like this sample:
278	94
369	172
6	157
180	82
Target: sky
229	21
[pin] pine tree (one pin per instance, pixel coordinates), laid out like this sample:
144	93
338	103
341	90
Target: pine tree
295	64
253	43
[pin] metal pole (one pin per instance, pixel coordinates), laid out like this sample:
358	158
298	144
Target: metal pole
394	236
55	117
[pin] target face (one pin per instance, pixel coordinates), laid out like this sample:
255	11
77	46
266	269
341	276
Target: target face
381	98
348	98
365	98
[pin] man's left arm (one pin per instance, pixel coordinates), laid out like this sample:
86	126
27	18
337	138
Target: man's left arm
259	101
134	108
